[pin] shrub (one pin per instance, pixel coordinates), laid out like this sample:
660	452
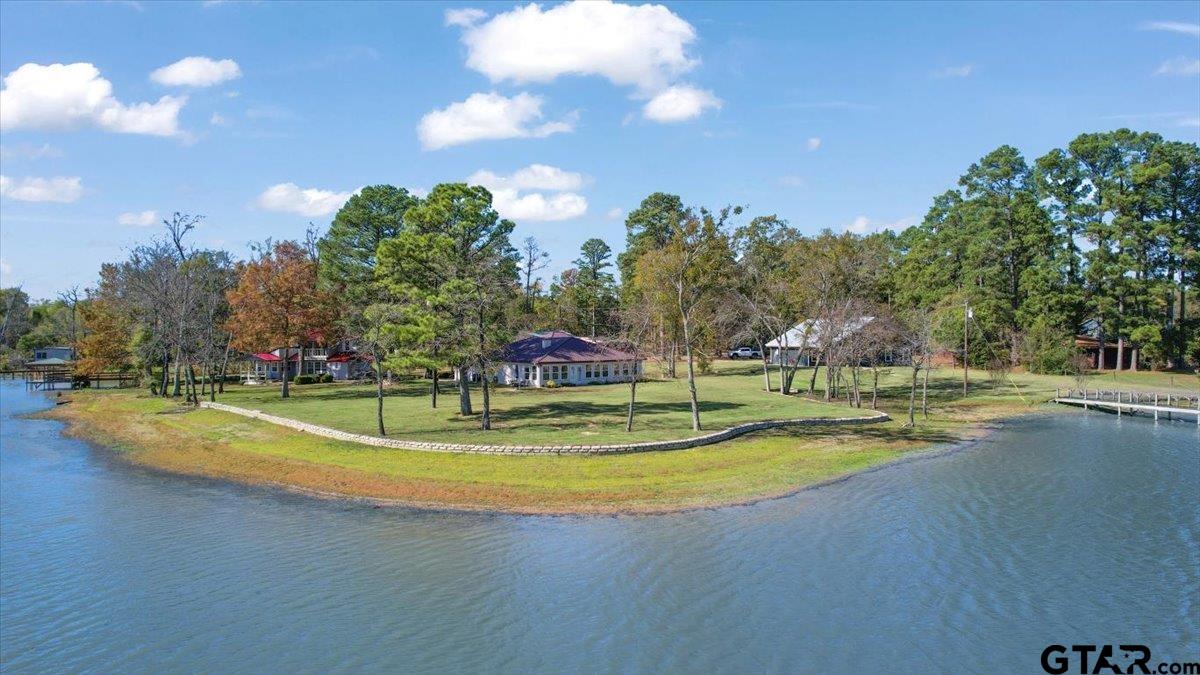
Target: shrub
551	384
304	379
1049	350
326	378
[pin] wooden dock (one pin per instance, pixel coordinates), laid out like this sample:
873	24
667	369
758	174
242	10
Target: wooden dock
59	378
1156	405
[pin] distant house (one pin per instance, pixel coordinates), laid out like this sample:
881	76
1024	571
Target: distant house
560	357
341	363
64	353
801	344
51	358
1087	341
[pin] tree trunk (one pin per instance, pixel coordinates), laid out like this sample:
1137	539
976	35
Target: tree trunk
464	392
434	389
379	395
912	397
486	424
1100	341
632	399
190	394
925	390
175	390
1180	341
766	368
166	370
874	387
812	381
284	391
691	375
854	393
1120	338
224	364
784	385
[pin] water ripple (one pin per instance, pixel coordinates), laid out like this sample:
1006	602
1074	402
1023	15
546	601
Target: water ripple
1056	529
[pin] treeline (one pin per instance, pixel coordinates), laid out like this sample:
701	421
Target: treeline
1100	236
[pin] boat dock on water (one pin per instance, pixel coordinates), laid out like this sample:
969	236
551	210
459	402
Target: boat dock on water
1170	406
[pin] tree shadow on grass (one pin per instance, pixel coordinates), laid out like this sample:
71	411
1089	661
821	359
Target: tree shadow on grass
873	432
585	410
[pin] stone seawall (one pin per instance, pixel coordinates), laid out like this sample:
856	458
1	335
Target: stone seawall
647	446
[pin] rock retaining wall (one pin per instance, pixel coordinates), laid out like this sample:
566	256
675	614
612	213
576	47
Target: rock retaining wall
429	446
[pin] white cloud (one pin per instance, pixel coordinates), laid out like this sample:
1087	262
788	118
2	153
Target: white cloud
310	202
954	71
138	219
864	225
5	268
643	46
61	97
197	71
812	143
511	202
465	17
488	117
1189	122
792	181
614	213
217	120
1181	27
29	151
859	225
537	206
532	177
60	189
679	103
1180	65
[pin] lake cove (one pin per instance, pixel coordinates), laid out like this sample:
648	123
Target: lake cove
1055	528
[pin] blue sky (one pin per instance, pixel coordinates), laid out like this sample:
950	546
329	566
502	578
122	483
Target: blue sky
840	115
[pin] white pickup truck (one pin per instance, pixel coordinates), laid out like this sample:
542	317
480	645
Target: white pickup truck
745	353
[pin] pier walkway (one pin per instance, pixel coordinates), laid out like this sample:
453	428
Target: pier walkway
1170	406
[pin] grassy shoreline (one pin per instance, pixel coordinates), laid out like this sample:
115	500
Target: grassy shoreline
161	435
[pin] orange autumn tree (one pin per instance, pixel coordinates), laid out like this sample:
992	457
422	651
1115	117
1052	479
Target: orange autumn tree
276	302
106	345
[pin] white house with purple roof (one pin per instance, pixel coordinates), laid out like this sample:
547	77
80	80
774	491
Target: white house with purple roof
560	357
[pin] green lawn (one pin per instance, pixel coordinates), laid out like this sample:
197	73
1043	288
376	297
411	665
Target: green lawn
162	434
589	415
586	415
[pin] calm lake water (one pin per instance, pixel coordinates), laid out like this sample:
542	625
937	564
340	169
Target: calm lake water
1076	527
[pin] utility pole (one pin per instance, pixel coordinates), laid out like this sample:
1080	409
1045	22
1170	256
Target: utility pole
966	323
